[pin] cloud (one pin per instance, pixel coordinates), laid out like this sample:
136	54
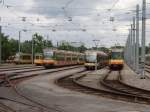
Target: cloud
69	20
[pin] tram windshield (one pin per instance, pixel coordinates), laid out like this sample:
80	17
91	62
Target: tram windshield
116	55
48	54
91	58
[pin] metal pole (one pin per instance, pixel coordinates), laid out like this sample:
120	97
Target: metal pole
134	44
0	45
143	39
32	50
137	38
131	47
128	49
129	60
96	44
47	41
19	47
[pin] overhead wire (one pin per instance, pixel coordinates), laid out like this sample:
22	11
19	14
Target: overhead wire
110	8
113	5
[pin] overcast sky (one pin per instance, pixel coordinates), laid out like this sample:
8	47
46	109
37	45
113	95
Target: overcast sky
71	20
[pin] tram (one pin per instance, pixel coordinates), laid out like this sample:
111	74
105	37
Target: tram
23	58
95	59
116	59
57	58
38	59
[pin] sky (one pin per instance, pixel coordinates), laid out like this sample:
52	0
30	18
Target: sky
74	21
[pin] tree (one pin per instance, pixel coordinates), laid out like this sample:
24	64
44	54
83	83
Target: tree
82	48
47	44
40	43
5	47
10	46
26	46
13	46
104	49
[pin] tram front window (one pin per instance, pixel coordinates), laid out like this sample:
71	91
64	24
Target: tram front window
91	58
116	55
48	55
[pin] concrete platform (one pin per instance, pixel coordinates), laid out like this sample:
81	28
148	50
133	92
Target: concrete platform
44	90
131	78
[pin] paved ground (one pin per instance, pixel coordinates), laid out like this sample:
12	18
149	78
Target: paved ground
131	78
44	90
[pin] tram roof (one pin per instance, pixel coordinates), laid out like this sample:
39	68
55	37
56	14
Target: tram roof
63	51
116	50
94	51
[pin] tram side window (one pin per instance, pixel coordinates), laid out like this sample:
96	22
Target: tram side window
60	56
26	57
68	57
74	58
37	57
41	57
99	58
63	57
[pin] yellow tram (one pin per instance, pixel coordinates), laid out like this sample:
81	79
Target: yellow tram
38	59
54	57
23	58
116	59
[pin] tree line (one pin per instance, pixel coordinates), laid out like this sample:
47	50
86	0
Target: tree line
10	46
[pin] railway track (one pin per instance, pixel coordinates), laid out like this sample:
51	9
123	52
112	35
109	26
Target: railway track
12	81
125	91
147	68
115	88
19	76
19	68
5	108
73	82
22	70
15	66
70	82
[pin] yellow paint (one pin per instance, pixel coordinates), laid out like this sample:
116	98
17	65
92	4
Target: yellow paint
116	62
38	61
49	61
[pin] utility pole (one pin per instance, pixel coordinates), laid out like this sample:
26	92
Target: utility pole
134	44
143	39
0	45
96	44
130	50
137	39
32	49
19	47
131	46
47	41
